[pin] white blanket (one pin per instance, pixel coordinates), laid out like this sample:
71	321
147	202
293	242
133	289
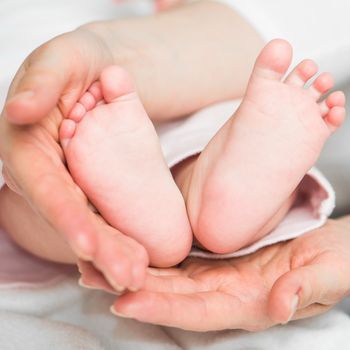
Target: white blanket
42	307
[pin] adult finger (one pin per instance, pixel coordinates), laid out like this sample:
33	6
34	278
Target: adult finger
40	81
172	284
311	310
91	278
44	181
197	311
297	289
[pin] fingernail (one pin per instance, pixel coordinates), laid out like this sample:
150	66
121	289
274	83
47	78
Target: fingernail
116	286
82	284
114	312
293	307
133	289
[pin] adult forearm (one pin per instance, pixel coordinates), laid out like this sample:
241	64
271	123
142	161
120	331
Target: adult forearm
184	59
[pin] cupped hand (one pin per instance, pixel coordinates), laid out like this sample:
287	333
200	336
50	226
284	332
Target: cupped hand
286	281
43	91
47	85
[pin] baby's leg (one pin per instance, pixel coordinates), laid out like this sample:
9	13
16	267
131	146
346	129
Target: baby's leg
114	155
34	235
29	231
251	167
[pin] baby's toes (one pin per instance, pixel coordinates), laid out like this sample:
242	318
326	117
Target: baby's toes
67	130
322	84
332	110
336	98
91	97
88	101
116	83
335	118
77	113
85	104
303	72
96	91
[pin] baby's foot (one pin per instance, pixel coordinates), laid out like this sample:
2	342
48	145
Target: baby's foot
113	154
258	158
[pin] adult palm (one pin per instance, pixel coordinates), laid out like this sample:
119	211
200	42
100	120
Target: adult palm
253	292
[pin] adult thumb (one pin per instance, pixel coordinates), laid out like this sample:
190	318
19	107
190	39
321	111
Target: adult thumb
38	84
303	286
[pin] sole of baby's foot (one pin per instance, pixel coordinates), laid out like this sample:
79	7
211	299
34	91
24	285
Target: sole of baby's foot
114	156
255	162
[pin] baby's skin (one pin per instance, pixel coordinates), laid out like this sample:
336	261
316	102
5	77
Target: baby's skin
237	188
244	179
114	155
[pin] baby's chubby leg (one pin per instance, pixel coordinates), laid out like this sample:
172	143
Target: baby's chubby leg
34	235
29	231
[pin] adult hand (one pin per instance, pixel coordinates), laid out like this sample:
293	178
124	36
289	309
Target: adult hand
286	281
43	91
47	85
